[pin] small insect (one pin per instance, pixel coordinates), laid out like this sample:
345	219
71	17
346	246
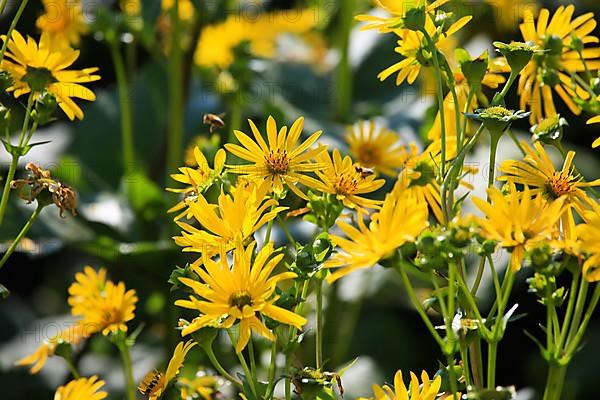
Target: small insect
363	171
152	383
215	121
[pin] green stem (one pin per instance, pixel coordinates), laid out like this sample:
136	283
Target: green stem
215	363
516	142
344	77
15	159
452	375
292	335
476	362
555	381
285	230
478	277
272	370
2	6
124	105
252	359
464	356
440	99
127	369
418	306
570	305
21	234
491	371
319	327
175	93
573	345
13	25
240	356
495	136
582	295
72	368
511	79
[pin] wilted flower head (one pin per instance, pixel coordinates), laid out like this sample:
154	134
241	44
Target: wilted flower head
46	190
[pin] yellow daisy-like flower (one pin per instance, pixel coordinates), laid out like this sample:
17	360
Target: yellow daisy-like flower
595	120
230	222
518	220
204	387
217	42
43	67
552	69
376	148
64	19
73	335
588	235
428	391
397	9
400	220
102	305
347	180
185	10
414	48
538	173
282	160
155	382
81	389
197	179
244	292
418	178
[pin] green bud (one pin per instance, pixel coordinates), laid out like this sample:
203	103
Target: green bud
517	54
473	69
497	119
540	256
305	261
414	19
322	248
4	119
553	45
550	77
408	250
205	336
64	350
6	80
487	248
46	104
549	130
576	43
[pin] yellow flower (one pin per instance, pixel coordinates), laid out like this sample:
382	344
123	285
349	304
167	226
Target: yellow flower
73	335
81	389
376	148
280	162
232	221
400	220
186	8
397	9
197	179
155	382
588	235
418	178
347	180
428	391
102	305
505	12
415	50
131	8
204	387
241	292
539	174
595	120
217	42
517	220
553	68
64	19
38	67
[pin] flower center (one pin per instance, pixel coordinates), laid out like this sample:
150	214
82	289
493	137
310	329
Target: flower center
559	184
369	155
240	299
277	161
347	183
